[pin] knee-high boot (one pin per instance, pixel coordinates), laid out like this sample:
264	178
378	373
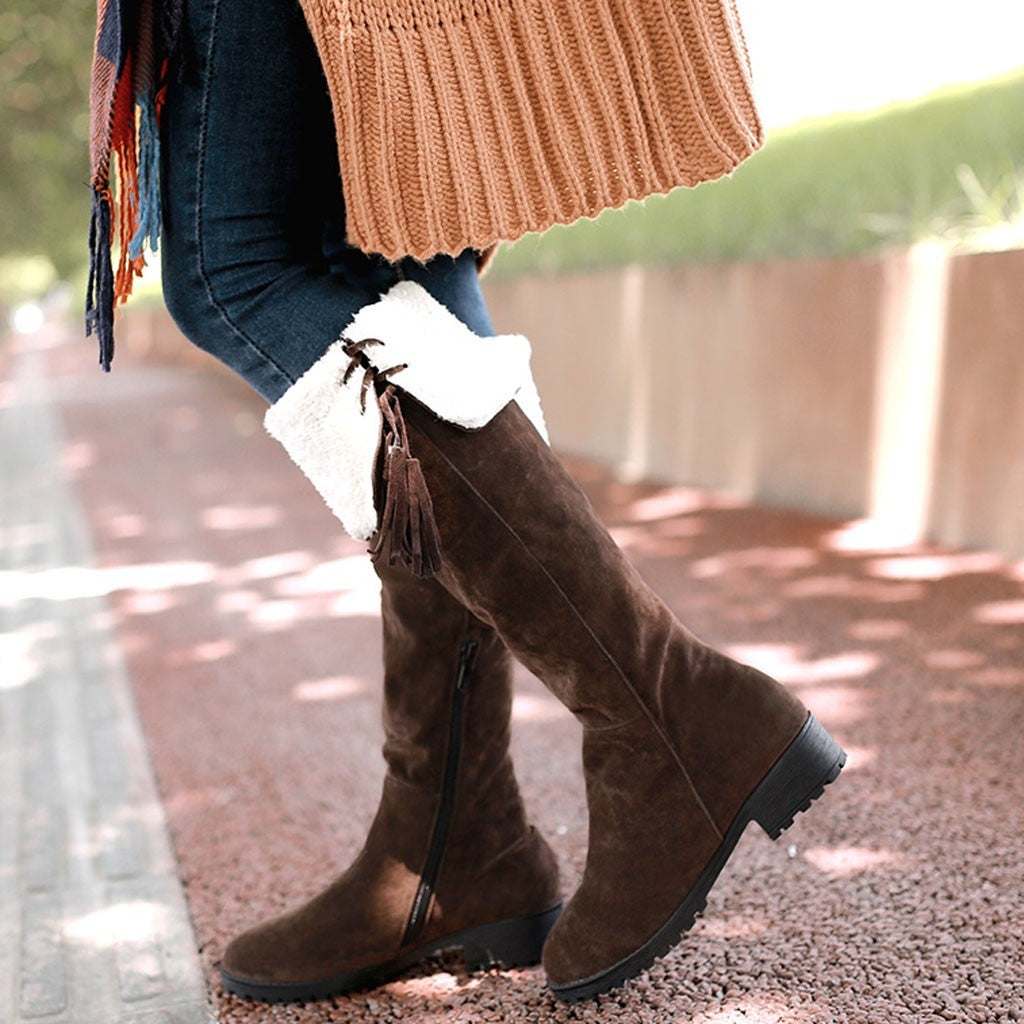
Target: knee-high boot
683	746
450	860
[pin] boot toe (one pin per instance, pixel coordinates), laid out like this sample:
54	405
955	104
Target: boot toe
259	955
577	951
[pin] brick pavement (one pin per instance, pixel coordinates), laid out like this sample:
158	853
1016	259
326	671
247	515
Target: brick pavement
93	924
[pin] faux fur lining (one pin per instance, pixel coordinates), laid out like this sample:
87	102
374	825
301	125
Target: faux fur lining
463	378
331	439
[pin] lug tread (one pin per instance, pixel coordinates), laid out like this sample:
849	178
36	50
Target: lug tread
816	794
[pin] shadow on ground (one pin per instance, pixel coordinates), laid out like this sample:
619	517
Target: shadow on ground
250	628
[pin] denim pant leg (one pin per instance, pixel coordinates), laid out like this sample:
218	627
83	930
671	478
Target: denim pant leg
255	267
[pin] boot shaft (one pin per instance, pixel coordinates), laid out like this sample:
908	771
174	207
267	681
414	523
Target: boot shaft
534	560
447	676
447	706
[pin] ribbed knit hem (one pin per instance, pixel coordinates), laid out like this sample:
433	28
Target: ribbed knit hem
464	122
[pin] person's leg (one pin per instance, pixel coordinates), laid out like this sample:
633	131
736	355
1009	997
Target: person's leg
256	271
255	267
683	746
450	859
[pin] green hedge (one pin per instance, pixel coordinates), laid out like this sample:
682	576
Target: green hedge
45	53
950	165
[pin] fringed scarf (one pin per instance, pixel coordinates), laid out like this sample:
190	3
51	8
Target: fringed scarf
136	54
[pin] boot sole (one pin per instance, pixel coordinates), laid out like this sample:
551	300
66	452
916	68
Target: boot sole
515	942
810	762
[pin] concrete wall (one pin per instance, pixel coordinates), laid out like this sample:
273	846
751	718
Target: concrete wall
889	387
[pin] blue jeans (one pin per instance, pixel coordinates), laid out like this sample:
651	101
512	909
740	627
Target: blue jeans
255	266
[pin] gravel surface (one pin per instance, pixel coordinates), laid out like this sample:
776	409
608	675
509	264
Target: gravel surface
250	628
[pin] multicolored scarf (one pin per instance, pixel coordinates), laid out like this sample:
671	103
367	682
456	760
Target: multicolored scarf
136	54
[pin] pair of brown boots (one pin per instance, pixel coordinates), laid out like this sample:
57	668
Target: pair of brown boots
682	746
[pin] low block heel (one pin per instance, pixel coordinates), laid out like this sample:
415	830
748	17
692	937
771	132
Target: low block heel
797	779
514	943
810	762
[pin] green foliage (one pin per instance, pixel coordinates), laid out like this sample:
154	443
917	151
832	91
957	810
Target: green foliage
45	55
24	277
949	166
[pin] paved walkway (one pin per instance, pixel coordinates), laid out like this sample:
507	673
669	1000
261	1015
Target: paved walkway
93	923
248	628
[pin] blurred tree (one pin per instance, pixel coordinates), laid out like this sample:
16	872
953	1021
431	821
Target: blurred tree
45	57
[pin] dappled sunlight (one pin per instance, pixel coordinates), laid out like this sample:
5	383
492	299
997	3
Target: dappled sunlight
858	757
273	615
200	799
240	517
435	984
354	604
354	572
854	589
910	340
671	502
749	612
528	708
773	560
934	566
333	688
236	602
202	653
863	536
73	582
670	537
19	536
734	926
78	456
256	671
784	662
153	602
953	659
844	861
758	1010
1000	613
285	563
839	705
128	921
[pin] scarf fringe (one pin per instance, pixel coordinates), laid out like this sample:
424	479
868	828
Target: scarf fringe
126	177
99	293
147	182
408	530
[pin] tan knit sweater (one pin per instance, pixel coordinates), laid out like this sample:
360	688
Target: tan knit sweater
465	122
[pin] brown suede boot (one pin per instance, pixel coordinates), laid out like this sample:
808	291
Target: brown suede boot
682	745
450	860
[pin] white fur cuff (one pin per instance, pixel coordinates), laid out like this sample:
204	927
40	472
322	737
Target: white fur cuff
331	439
459	376
464	379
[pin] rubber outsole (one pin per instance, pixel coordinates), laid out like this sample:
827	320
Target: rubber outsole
810	762
516	942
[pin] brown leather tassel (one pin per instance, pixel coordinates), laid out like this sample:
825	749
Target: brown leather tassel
408	531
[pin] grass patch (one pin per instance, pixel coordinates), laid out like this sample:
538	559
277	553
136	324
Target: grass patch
948	166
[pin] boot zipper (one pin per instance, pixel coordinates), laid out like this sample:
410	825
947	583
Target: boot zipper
421	904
